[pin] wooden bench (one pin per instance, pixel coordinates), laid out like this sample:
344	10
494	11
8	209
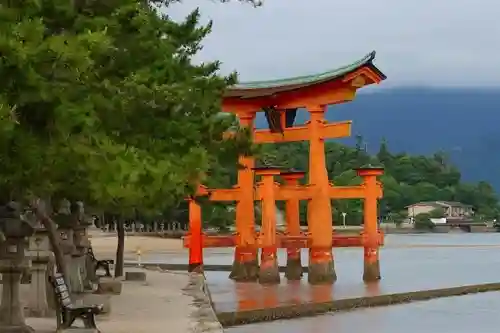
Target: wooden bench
67	312
104	264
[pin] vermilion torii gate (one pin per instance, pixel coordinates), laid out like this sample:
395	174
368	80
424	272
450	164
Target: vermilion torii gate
280	100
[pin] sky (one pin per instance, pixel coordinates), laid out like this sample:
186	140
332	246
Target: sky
418	42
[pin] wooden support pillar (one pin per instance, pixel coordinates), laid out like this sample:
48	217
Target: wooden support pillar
245	264
319	209
269	271
370	230
292	217
195	231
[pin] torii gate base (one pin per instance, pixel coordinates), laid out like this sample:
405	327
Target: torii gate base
245	266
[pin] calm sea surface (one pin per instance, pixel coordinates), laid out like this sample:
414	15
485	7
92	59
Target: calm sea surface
408	263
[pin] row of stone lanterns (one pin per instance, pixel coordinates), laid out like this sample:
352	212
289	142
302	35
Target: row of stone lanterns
19	257
13	265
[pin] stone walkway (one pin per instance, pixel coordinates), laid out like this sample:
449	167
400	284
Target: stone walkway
168	301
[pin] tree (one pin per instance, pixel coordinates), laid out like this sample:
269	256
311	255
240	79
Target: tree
437	213
100	102
423	222
383	155
44	111
399	217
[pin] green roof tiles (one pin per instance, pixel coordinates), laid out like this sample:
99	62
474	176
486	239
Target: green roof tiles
310	79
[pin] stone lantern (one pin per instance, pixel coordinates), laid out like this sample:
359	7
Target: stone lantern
41	303
13	264
81	244
65	228
81	257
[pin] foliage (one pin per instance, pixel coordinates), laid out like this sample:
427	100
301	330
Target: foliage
398	217
423	221
99	101
217	215
437	213
496	224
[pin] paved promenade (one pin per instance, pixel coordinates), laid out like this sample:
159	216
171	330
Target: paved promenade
167	301
161	304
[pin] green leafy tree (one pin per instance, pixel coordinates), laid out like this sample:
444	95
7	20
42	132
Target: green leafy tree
423	221
398	218
383	155
437	213
100	102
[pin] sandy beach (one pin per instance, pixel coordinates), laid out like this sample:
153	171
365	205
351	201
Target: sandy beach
104	245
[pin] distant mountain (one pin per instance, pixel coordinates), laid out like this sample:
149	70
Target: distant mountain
464	123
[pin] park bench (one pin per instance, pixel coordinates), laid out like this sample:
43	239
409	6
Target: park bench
104	264
67	312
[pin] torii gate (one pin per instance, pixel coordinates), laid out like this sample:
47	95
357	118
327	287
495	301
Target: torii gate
280	100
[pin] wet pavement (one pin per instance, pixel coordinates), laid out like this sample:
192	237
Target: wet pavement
464	314
408	263
459	259
403	269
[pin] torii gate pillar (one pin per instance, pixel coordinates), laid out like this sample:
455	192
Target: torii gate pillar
319	209
246	263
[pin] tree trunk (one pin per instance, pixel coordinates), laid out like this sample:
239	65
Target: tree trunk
120	248
50	225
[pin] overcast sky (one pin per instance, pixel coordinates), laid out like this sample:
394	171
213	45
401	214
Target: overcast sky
418	42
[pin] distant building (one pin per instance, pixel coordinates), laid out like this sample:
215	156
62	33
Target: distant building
452	209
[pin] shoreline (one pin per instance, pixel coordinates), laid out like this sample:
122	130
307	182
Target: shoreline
104	246
164	244
205	316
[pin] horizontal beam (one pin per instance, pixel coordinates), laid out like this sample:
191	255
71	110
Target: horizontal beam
230	194
305	193
285	192
284	241
301	133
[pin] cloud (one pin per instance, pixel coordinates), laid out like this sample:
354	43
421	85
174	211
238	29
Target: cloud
424	42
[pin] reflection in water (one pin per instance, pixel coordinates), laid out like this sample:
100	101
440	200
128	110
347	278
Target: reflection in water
372	288
404	269
321	293
464	314
271	299
246	299
295	292
250	296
